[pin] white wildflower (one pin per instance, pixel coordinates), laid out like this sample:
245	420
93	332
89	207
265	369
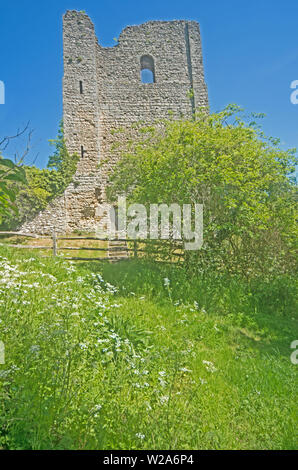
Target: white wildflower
184	369
203	381
164	399
210	366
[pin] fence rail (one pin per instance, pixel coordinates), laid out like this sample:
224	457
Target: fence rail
110	250
21	234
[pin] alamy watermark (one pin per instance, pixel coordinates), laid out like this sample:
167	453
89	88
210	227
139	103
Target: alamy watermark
161	221
2	92
294	355
2	353
294	94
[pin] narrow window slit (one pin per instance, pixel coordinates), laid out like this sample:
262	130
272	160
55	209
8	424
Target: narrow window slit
81	87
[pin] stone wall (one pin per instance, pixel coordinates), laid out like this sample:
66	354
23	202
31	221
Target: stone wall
102	92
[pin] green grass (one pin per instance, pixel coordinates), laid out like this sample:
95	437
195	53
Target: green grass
189	363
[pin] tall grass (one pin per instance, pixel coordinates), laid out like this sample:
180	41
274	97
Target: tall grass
136	355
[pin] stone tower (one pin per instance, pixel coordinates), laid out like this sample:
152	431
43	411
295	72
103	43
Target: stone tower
103	91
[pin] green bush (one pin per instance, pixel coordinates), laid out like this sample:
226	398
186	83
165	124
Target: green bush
243	179
38	186
9	173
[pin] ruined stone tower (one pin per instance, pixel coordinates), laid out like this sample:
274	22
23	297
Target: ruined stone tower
103	91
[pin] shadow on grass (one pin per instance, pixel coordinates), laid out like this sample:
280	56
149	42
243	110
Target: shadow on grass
264	312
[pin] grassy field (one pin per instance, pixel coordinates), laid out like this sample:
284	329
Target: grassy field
137	355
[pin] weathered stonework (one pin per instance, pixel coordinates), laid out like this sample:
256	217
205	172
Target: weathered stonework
102	92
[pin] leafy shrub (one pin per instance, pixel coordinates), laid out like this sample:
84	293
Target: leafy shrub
243	179
39	186
9	172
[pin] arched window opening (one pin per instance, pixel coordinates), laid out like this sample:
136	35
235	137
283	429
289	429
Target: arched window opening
147	76
147	69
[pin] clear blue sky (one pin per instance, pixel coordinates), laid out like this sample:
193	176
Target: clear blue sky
250	56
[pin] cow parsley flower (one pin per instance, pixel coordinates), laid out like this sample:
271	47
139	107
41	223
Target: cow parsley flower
210	366
164	399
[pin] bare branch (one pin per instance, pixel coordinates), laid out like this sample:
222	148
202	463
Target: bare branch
17	157
6	140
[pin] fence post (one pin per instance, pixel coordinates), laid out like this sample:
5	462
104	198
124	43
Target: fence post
54	244
135	253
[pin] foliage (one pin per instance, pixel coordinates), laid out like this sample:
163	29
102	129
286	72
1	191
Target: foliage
9	172
42	184
191	363
64	163
243	179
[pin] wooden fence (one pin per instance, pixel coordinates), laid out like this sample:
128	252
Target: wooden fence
127	246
